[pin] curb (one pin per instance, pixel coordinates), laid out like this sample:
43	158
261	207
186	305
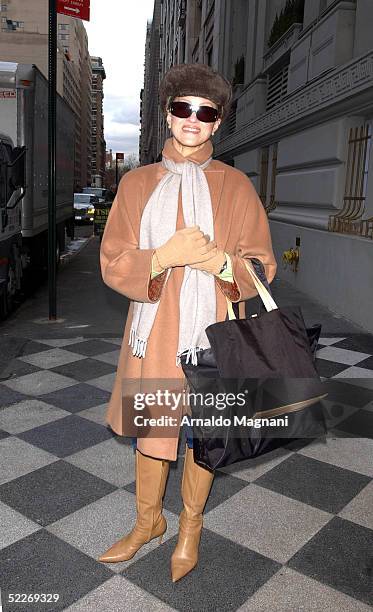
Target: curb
67	257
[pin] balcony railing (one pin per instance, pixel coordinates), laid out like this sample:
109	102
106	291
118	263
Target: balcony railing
229	124
277	87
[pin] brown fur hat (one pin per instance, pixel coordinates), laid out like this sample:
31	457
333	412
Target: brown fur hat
195	80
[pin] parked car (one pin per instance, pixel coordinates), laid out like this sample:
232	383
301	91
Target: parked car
84	207
104	195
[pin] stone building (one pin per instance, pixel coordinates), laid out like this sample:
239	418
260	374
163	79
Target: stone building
149	117
98	140
24	39
300	128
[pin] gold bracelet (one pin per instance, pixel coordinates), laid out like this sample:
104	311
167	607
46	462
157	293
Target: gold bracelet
224	266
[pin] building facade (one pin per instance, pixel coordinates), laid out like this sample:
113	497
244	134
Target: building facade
98	140
149	117
73	38
173	49
24	39
300	127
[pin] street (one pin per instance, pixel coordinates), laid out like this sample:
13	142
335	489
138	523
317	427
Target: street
31	317
201	134
294	525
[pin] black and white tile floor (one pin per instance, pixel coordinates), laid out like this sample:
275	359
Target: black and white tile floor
290	531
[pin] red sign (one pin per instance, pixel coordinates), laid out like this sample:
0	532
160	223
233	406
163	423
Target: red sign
74	8
119	155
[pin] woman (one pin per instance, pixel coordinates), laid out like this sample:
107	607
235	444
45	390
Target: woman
175	243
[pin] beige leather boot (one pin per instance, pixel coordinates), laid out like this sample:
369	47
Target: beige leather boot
195	488
151	477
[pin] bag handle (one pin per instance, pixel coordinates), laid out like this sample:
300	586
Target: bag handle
231	314
267	299
259	270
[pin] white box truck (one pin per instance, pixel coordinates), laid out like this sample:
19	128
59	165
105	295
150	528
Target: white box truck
24	176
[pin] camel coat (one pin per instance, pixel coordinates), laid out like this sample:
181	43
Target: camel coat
241	230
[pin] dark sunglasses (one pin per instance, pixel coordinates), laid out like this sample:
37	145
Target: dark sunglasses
207	114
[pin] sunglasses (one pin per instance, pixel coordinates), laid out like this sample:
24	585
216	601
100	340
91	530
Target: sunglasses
183	110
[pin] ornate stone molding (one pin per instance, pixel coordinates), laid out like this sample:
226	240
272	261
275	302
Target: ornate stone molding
338	85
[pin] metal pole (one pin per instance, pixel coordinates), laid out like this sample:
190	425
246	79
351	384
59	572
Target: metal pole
52	69
116	172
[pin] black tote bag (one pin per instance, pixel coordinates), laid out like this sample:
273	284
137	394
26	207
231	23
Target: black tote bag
271	356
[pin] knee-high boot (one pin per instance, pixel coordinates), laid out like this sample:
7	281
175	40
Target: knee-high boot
151	477
195	488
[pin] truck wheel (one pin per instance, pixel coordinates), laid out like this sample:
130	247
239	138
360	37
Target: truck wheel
9	292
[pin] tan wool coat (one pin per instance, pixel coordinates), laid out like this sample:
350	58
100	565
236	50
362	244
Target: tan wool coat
241	230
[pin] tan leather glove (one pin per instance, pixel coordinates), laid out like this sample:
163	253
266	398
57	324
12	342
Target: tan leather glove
187	246
213	265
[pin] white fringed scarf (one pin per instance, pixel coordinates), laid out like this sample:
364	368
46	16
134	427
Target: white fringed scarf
197	305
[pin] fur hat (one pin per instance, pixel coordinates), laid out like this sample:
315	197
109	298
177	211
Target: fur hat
198	80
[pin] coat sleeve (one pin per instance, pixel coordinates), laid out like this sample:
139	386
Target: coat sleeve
254	241
124	267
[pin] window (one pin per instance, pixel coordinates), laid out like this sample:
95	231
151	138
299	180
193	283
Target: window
264	175
229	125
198	18
4	7
350	218
272	196
10	25
209	56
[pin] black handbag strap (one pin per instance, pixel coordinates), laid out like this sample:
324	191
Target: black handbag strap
260	272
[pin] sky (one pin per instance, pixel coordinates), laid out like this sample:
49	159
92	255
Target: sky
116	32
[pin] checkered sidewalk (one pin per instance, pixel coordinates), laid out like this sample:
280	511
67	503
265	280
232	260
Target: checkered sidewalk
289	531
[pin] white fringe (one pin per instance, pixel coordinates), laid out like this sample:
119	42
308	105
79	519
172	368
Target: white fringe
138	344
191	356
139	349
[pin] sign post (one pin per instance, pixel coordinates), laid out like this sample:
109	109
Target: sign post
74	8
80	10
52	99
